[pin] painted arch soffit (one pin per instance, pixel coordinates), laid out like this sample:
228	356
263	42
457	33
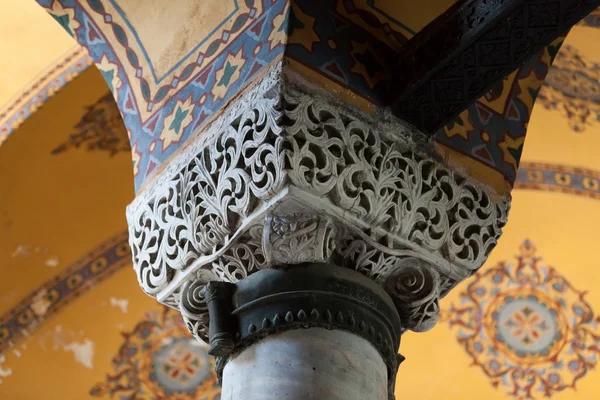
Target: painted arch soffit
25	103
166	93
168	88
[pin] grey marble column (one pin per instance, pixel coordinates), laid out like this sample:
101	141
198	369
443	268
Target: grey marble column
307	364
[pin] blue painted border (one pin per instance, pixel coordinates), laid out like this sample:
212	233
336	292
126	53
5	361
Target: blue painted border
96	266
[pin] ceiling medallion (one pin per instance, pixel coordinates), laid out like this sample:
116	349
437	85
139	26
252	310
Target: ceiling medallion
159	360
529	330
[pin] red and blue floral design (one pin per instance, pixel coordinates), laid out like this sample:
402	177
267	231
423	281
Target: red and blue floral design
528	329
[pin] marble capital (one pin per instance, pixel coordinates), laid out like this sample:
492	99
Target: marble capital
287	174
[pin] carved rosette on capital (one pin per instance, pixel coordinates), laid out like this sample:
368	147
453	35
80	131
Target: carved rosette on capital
297	238
288	176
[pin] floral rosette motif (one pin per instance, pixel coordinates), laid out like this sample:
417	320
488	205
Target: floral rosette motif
160	360
528	329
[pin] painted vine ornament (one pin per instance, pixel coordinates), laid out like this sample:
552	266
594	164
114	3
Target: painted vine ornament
572	88
158	360
101	128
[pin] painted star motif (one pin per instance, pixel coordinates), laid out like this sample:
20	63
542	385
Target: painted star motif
65	16
228	74
176	122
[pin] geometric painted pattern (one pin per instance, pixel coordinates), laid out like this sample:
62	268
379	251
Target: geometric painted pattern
526	327
558	178
167	107
492	130
56	293
160	360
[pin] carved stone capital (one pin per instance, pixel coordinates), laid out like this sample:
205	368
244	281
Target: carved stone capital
288	175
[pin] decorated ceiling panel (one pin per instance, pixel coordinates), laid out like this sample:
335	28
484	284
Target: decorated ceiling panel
74	321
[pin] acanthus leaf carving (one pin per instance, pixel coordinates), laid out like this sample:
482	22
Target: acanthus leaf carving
207	200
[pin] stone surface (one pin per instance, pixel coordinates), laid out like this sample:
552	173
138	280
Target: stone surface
307	364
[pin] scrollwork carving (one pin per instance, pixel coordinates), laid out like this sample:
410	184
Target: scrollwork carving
415	289
193	308
394	190
361	181
207	200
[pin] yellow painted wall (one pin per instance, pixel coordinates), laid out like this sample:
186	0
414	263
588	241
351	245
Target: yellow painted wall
24	25
56	207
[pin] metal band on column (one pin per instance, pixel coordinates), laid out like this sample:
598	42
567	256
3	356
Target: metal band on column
317	295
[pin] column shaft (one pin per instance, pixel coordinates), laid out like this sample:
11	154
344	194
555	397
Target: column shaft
307	364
